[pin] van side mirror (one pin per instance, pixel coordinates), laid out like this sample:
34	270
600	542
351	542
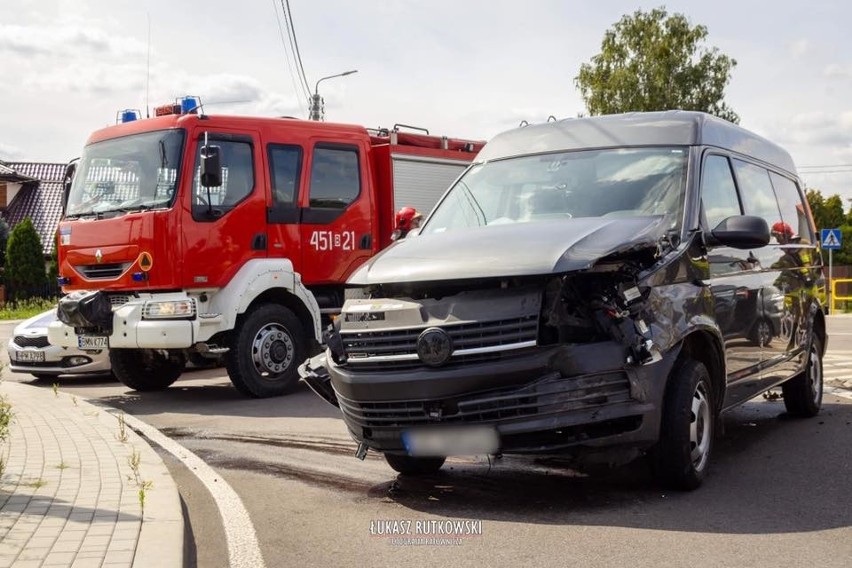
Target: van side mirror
211	166
740	231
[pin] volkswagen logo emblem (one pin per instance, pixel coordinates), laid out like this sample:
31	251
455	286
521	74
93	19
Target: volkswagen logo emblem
99	256
434	347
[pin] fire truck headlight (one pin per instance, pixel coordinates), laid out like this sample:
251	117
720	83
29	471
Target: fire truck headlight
170	309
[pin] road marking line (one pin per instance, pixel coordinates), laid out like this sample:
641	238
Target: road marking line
240	536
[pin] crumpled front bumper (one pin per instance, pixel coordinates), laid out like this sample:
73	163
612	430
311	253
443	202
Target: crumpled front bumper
551	399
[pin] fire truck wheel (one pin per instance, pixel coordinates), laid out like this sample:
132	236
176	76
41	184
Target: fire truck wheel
146	369
267	348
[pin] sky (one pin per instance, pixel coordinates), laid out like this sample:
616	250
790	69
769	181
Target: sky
470	68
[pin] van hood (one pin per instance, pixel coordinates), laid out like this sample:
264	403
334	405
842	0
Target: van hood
520	249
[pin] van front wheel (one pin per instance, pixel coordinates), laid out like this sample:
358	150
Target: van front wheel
688	425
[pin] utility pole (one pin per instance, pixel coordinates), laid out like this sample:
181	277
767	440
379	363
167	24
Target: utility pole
317	103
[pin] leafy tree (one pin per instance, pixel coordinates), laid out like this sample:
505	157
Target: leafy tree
4	236
651	61
834	216
817	204
25	272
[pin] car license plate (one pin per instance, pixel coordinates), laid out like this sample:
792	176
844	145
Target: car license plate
31	356
451	441
92	342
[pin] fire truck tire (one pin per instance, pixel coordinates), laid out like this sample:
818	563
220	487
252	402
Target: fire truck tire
267	347
146	369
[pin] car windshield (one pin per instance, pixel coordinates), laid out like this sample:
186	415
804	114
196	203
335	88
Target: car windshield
622	182
127	174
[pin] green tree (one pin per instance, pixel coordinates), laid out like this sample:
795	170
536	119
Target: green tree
4	236
834	216
25	272
817	204
651	61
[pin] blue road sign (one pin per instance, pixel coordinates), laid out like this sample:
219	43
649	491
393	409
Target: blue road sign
830	239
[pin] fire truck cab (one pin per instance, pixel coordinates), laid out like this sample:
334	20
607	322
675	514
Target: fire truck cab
188	234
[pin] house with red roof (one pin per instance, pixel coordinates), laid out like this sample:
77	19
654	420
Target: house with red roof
34	190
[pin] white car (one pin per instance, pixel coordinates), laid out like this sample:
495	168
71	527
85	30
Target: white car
30	352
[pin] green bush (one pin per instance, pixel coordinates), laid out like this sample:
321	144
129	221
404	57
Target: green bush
4	237
25	274
24	309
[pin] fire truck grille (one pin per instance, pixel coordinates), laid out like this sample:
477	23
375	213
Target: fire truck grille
34	341
102	271
471	341
118	300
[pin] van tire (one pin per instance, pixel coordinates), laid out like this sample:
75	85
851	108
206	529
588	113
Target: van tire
409	465
682	454
146	370
803	393
266	349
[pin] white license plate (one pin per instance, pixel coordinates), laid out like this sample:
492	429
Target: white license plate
31	356
92	342
451	441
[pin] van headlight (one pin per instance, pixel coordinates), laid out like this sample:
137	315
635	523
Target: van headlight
169	309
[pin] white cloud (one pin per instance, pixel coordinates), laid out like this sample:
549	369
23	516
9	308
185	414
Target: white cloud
67	41
10	153
837	71
800	47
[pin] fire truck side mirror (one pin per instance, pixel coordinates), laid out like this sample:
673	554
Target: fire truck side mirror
67	181
211	166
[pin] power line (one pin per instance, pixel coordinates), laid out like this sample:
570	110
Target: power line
830	166
288	19
287	58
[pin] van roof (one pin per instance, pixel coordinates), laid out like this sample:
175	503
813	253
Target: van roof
669	128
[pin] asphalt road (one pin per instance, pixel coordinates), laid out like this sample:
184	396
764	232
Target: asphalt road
779	493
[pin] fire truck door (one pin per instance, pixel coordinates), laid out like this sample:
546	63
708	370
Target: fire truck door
227	225
336	224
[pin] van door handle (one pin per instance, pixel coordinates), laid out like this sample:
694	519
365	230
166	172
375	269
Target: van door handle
366	241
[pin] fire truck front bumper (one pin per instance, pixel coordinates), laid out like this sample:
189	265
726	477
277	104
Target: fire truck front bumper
95	320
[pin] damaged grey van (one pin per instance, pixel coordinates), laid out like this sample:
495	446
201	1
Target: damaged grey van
599	287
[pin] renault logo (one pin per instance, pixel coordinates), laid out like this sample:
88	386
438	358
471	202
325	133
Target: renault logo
434	347
99	256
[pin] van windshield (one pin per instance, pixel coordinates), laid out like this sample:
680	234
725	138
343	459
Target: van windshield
127	174
621	182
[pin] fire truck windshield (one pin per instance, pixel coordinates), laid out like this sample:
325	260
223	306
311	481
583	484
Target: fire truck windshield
130	173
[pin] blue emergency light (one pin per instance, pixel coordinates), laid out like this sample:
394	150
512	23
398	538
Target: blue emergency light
190	104
128	115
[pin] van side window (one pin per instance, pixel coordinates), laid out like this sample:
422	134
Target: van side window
285	168
758	195
718	191
237	178
335	177
793	210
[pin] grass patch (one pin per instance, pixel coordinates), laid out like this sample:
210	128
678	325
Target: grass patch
37	484
24	309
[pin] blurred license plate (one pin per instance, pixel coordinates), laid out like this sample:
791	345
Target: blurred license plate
465	441
31	356
92	342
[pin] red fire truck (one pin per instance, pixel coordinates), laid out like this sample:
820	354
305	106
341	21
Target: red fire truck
196	235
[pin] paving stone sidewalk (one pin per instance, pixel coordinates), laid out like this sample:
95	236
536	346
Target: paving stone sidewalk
70	494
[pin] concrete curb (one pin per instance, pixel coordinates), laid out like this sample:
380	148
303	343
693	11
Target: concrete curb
161	536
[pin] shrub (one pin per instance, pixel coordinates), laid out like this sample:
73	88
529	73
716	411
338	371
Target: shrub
25	272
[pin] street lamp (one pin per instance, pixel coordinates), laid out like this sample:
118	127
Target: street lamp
317	112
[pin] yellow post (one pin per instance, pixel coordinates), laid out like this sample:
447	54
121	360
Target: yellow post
834	296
